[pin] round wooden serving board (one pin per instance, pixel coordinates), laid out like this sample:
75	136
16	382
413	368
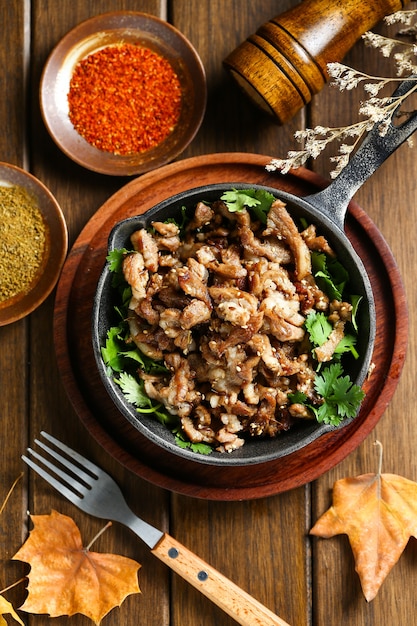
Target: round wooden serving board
72	332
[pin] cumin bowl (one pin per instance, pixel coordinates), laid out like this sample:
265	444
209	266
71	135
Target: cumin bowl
255	449
128	106
33	243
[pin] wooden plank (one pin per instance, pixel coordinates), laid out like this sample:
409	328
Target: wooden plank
14	337
80	193
232	122
13	83
262	545
389	198
248	543
219	531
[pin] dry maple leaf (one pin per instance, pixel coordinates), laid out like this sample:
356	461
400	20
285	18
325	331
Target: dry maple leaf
66	578
7	608
378	512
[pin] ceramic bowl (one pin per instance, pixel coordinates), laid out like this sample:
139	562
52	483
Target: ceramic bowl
255	450
56	246
123	27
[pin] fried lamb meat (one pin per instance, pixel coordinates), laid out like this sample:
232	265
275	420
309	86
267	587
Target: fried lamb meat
223	307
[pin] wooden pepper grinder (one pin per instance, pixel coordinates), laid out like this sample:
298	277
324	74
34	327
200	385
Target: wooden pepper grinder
284	63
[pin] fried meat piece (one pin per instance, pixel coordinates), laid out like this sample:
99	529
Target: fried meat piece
144	243
192	278
223	308
195	313
280	223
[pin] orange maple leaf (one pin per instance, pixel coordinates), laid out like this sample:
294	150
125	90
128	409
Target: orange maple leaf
66	578
378	512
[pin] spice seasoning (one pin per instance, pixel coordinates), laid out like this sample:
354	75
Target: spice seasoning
124	99
22	241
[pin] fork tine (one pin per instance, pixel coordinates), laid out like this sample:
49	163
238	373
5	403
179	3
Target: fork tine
74	455
61	488
72	482
96	493
75	469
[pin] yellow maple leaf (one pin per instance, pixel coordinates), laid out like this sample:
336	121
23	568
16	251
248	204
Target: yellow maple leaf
7	608
378	512
66	578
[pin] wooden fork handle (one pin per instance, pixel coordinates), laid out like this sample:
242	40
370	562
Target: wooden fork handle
223	592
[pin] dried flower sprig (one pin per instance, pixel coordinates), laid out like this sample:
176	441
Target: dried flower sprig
403	59
401	17
375	109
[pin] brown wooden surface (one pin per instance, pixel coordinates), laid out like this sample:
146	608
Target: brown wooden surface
263	544
76	362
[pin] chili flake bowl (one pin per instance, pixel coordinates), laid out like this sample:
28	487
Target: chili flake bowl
112	29
55	246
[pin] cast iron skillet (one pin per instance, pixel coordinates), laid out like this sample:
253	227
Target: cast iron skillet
327	209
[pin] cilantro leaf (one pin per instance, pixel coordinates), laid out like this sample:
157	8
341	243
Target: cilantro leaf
298	397
355	301
201	448
347	344
330	274
182	442
133	390
318	327
181	221
115	259
237	200
341	398
324	382
110	352
347	396
258	201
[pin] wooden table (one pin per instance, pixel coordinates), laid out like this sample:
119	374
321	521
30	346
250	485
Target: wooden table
263	543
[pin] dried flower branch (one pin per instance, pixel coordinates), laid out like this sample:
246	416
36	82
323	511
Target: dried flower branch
403	59
375	109
401	17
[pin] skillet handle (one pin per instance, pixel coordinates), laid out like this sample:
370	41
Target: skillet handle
372	152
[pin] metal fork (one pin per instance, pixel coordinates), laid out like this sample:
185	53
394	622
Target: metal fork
95	492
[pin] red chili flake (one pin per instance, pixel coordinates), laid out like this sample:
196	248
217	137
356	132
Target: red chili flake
124	99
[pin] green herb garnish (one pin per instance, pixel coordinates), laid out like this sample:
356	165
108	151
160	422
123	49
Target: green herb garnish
341	398
115	260
110	352
136	395
330	274
319	329
182	442
133	390
257	201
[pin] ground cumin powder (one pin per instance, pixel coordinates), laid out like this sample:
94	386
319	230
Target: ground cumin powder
22	241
